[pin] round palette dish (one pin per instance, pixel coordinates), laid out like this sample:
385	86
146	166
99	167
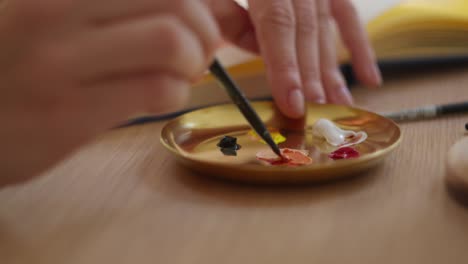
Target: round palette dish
193	139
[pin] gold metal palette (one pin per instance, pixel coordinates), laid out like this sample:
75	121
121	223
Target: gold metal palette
193	139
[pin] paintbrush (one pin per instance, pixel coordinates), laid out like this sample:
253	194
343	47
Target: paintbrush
239	99
428	112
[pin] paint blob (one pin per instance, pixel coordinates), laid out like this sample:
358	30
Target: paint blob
336	136
275	135
344	153
228	146
291	157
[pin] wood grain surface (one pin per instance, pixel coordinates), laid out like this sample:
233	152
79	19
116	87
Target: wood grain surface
123	199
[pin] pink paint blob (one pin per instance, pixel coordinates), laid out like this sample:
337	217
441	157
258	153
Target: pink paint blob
344	153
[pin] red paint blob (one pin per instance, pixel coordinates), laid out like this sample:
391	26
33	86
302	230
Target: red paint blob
291	157
344	153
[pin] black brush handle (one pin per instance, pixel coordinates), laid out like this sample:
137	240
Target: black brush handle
455	108
243	104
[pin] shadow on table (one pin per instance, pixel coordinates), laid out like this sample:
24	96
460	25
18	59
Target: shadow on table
196	188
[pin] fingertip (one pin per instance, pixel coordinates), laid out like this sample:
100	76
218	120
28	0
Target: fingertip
336	89
342	96
296	104
314	92
356	39
368	74
377	75
287	93
347	96
291	103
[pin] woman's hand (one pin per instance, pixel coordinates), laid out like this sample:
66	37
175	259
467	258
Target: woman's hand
296	40
72	69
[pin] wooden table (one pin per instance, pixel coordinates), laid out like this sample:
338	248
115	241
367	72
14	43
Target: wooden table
123	199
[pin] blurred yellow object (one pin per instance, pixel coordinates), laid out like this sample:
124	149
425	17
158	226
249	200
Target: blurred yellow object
275	134
421	29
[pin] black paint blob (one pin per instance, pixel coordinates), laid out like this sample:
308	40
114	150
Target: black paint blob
229	146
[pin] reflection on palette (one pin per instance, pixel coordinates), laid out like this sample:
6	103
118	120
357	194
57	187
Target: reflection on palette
194	138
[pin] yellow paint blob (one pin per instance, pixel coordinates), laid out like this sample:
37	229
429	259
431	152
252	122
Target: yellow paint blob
275	134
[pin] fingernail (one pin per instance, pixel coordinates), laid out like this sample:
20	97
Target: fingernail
320	101
377	75
346	96
296	102
313	93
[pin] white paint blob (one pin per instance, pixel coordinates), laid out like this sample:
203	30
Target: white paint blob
336	136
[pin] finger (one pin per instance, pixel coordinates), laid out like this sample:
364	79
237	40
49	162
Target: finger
194	14
241	32
162	43
333	82
355	38
119	98
38	17
103	12
307	43
275	25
